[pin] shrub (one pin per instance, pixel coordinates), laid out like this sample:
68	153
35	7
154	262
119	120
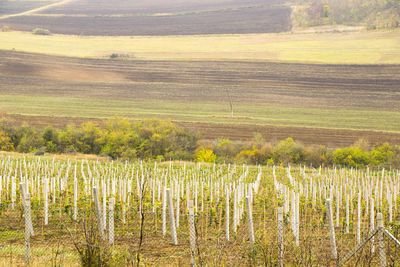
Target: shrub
117	55
129	154
205	155
246	156
288	151
39	31
226	149
92	250
351	157
315	156
5	142
30	141
382	155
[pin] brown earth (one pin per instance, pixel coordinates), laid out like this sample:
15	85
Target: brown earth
252	19
303	85
12	7
151	7
154	17
374	87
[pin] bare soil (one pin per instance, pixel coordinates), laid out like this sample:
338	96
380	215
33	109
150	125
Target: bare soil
156	17
374	87
321	86
13	7
244	20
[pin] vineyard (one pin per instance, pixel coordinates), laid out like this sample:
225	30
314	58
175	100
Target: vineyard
72	212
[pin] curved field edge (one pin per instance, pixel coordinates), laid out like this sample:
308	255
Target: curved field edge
367	47
35	10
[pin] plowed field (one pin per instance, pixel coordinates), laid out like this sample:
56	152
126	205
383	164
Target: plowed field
316	104
157	17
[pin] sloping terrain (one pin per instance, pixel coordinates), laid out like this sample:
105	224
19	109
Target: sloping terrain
151	7
13	7
100	17
316	104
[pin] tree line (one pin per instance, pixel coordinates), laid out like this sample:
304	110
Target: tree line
372	13
163	140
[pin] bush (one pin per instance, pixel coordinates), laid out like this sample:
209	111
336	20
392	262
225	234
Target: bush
247	156
39	31
205	155
351	157
30	140
382	155
163	140
226	149
5	142
288	151
92	250
117	55
315	156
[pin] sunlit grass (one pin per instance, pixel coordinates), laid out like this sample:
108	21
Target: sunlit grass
331	48
202	112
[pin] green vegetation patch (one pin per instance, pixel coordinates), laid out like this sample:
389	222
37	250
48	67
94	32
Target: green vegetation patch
331	118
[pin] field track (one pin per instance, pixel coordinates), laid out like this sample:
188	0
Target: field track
371	89
36	10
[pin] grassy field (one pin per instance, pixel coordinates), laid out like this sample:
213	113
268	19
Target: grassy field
329	48
202	112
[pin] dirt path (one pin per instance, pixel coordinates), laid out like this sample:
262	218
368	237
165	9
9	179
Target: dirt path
33	11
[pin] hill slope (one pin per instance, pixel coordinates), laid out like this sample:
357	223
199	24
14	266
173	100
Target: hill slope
317	104
157	17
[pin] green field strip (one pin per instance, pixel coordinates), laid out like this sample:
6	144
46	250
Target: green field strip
355	119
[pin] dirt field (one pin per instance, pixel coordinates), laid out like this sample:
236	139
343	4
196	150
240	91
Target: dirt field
151	7
12	7
374	87
100	17
371	91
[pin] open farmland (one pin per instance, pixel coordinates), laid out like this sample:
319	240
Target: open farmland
94	17
16	6
151	7
376	47
342	102
225	69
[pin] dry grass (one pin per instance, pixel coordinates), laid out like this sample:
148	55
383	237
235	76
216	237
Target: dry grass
330	48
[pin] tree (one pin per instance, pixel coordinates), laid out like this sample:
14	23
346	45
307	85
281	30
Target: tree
351	157
381	155
5	142
50	139
30	142
326	11
90	138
